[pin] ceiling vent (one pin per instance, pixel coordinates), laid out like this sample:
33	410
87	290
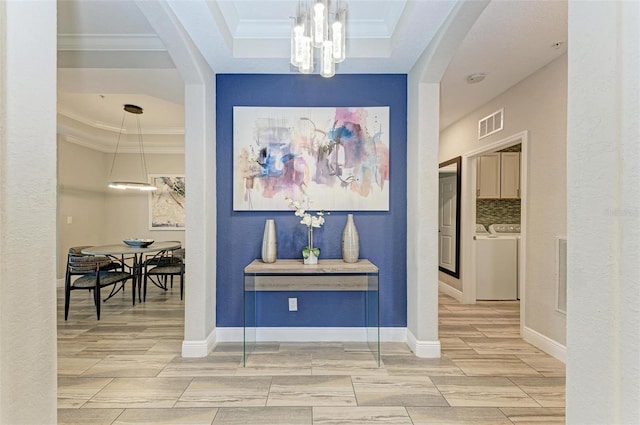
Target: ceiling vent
490	124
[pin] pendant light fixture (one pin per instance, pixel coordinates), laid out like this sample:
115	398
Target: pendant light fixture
138	185
315	26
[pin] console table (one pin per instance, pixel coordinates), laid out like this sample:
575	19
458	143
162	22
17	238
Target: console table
327	275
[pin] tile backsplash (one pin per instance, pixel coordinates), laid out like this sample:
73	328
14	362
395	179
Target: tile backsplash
492	211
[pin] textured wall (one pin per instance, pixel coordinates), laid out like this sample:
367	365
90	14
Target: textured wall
382	233
603	241
27	212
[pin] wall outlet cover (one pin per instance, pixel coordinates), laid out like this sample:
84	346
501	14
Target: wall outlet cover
293	304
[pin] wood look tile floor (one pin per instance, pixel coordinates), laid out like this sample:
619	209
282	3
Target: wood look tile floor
127	369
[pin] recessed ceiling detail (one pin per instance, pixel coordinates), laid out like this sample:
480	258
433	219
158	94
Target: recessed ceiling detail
110	47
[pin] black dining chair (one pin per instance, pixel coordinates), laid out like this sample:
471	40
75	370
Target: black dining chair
164	265
95	272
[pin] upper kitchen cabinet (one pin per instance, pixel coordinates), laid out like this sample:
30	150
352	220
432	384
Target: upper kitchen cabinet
510	175
488	179
498	176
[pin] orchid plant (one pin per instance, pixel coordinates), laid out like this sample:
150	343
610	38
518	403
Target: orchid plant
310	221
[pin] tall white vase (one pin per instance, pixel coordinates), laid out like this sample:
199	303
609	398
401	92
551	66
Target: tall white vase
269	242
350	241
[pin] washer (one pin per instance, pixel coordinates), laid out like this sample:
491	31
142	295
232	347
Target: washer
497	262
507	230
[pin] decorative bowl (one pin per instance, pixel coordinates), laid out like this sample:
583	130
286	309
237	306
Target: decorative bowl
138	243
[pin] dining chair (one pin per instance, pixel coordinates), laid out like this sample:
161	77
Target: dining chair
108	263
165	265
95	272
76	251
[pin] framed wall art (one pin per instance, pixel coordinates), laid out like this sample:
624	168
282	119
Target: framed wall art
335	158
167	203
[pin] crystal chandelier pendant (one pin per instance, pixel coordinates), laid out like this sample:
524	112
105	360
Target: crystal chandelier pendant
319	23
318	27
338	37
328	66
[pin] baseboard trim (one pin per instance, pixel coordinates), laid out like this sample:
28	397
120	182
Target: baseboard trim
545	343
311	334
199	348
425	349
389	334
450	290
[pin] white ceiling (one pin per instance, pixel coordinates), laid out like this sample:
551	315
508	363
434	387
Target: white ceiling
108	48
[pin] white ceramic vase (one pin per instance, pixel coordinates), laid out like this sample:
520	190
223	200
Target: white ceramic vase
350	241
269	242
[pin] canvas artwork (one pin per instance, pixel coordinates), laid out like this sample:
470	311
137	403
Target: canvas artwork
167	203
333	158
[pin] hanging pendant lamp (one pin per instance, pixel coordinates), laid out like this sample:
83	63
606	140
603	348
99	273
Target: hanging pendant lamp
138	185
316	27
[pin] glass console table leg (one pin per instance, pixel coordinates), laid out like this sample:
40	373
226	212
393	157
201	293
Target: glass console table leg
372	316
249	319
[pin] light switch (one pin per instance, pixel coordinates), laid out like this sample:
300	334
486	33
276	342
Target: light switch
69	219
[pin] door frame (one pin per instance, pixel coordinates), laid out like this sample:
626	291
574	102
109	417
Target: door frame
469	217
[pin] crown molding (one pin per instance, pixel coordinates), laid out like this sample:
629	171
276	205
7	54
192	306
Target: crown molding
123	148
108	127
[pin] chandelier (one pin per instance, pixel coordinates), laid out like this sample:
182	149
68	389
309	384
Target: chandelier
316	27
142	184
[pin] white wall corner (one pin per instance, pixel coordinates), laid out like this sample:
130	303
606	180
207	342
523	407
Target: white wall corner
450	290
545	343
424	349
199	348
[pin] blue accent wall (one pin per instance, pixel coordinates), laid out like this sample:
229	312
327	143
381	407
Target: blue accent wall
383	238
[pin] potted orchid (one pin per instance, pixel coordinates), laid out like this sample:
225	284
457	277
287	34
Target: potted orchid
309	253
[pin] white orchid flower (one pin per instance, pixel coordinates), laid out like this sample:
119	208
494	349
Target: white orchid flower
307	220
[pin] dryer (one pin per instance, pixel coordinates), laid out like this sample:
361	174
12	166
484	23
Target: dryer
497	263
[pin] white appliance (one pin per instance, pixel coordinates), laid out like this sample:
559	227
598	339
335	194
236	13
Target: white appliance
508	230
497	262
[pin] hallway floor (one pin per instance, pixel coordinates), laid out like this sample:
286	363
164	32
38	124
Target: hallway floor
127	369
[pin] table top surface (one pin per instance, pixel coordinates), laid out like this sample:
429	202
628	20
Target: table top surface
123	248
329	266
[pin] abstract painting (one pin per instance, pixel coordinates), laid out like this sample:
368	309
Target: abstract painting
327	158
167	203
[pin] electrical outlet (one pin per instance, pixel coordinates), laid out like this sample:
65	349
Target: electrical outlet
293	304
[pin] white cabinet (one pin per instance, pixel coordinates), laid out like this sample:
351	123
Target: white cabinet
510	175
488	178
498	176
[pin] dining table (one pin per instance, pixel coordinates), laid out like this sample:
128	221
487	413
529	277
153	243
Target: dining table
120	251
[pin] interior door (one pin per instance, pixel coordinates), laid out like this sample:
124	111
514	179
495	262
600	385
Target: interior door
447	222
